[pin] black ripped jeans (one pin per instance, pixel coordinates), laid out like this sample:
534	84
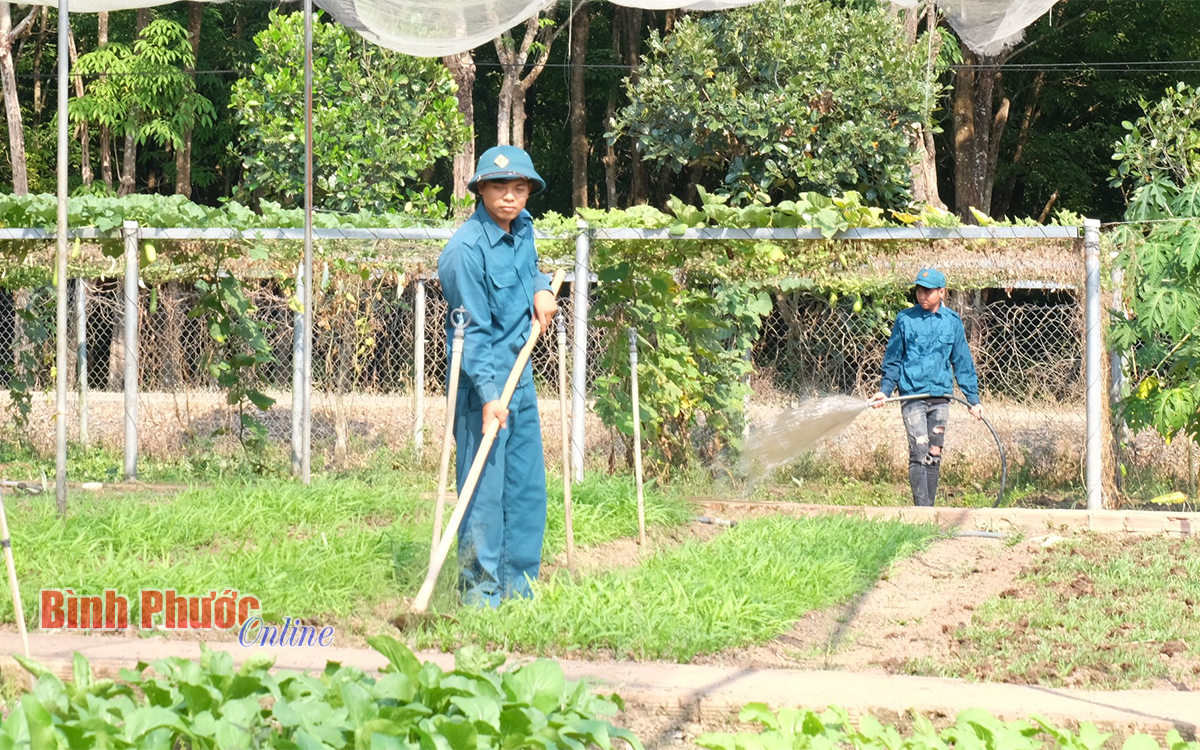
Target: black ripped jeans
925	424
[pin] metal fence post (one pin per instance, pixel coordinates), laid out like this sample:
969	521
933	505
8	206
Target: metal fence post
131	348
81	354
579	346
1093	367
60	265
298	323
419	365
309	307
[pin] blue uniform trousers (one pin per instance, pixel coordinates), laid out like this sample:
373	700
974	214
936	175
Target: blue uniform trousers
500	540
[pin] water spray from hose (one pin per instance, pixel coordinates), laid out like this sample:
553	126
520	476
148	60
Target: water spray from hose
785	438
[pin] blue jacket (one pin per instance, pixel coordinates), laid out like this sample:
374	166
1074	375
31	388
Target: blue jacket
494	275
922	349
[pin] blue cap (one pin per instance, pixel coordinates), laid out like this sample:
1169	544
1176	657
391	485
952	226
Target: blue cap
506	163
931	278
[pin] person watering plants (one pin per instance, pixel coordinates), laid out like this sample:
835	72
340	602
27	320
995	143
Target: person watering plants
927	342
490	267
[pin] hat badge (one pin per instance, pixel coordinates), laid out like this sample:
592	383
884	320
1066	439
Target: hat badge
924	273
501	161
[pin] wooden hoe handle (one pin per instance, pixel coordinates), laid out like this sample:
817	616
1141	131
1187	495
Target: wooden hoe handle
421	603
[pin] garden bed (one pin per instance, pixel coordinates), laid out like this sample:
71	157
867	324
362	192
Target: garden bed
1089	611
840	593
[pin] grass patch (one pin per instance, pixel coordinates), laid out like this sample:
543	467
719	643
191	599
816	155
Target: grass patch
316	551
1100	612
334	550
812	480
101	463
848	491
604	507
747	586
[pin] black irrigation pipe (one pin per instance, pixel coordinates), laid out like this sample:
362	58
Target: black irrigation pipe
999	447
984	534
714	521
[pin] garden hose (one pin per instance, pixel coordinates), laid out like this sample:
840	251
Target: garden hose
999	447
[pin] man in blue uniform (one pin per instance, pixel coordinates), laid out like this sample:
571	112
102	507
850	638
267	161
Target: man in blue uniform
490	267
927	341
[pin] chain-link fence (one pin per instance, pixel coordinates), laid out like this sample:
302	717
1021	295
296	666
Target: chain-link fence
1026	338
1027	344
364	370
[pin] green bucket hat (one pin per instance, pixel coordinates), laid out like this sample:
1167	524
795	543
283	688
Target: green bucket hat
931	278
506	163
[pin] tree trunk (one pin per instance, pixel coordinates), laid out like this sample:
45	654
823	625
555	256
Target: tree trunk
129	154
12	105
128	165
924	168
518	113
504	111
975	124
39	91
610	154
925	179
1002	205
512	56
508	52
966	192
462	68
690	193
664	186
106	171
633	50
183	156
578	113
998	122
510	119
85	154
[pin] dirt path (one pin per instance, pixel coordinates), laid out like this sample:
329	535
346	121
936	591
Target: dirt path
911	613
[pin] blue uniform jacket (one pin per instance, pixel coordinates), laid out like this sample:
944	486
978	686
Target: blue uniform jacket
922	349
494	275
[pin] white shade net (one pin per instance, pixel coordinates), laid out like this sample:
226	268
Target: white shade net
685	5
988	27
438	27
432	28
97	6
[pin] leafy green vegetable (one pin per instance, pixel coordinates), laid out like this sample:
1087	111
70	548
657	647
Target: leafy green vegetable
974	729
200	705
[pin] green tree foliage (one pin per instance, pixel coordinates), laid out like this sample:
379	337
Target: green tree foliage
804	96
141	88
1065	114
696	319
380	120
1159	163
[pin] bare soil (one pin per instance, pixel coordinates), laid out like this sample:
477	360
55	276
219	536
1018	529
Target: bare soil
913	612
